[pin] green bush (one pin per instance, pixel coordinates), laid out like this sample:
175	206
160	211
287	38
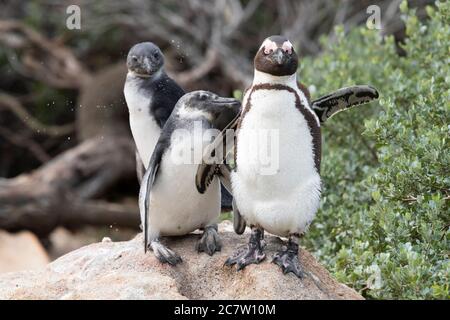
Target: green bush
383	227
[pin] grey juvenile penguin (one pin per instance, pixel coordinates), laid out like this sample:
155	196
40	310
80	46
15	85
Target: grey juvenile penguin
151	96
169	202
285	200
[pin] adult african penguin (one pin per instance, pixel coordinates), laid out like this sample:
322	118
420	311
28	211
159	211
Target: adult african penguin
169	202
283	202
277	117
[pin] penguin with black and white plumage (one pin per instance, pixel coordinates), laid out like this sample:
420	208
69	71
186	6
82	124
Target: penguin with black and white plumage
284	200
151	96
169	202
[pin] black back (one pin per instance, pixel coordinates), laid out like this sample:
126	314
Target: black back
163	93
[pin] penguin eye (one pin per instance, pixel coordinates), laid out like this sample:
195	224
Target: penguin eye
267	51
287	50
203	97
287	47
156	55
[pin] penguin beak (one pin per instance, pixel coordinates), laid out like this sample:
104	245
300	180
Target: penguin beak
227	102
279	57
227	109
147	65
140	65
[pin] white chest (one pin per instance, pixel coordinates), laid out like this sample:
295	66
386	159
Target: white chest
143	126
176	207
276	184
275	142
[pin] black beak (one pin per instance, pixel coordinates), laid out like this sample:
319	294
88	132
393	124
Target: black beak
279	57
228	109
227	102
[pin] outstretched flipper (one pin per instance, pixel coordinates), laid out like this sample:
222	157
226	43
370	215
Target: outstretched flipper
342	99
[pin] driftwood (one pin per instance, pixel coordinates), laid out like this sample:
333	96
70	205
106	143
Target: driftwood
42	58
14	105
60	192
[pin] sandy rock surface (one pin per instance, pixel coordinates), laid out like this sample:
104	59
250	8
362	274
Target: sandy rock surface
21	251
120	270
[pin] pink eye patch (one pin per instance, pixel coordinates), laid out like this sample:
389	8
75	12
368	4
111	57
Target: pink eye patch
269	46
287	47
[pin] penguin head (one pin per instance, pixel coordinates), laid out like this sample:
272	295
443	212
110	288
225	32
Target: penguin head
218	110
145	59
277	57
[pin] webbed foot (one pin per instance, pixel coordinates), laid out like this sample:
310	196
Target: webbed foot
254	253
210	241
164	254
287	259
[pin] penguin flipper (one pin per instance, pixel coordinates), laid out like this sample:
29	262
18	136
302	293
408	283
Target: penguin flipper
140	169
146	187
204	176
342	99
239	223
207	169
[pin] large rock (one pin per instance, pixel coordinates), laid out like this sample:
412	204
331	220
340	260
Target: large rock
64	241
120	270
21	251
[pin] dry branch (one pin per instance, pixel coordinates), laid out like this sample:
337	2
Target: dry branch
13	104
58	193
42	58
25	142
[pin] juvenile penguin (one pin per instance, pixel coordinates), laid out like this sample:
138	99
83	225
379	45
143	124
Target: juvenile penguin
285	199
169	202
151	96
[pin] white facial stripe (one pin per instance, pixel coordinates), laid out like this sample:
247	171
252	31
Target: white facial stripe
287	46
191	113
268	45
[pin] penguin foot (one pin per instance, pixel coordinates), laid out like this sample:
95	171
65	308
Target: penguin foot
287	259
210	241
254	253
164	254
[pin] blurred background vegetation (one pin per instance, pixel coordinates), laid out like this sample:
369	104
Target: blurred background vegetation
67	158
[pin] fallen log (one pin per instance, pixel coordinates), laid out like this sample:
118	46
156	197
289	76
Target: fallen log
60	192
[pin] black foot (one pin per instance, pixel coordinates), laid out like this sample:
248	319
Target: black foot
254	253
287	259
210	241
164	254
